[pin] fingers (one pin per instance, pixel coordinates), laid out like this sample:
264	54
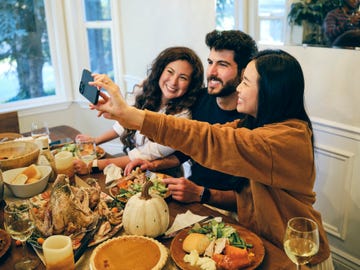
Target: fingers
129	168
146	166
79	166
171	181
83	137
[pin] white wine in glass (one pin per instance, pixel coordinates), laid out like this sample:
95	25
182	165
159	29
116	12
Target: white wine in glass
85	149
19	224
301	241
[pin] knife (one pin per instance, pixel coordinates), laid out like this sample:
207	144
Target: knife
85	241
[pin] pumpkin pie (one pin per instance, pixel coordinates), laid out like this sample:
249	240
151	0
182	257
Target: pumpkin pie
129	252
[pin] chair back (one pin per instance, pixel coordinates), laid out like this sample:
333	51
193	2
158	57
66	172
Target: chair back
9	122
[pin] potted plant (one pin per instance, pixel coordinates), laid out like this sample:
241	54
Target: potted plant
310	14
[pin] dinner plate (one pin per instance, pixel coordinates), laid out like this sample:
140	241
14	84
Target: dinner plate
124	188
5	242
177	253
100	152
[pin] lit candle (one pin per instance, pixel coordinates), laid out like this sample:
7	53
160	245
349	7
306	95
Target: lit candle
58	252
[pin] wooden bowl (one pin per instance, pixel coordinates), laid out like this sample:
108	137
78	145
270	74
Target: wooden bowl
9	136
17	154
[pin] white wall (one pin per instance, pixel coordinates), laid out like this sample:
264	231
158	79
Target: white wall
148	29
332	98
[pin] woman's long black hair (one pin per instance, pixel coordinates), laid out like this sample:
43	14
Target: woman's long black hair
150	98
281	89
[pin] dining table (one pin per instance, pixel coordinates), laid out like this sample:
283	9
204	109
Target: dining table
274	258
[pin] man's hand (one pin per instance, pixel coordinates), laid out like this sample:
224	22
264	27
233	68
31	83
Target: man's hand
154	165
143	164
183	190
80	166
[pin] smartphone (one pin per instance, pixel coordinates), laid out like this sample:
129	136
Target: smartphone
88	91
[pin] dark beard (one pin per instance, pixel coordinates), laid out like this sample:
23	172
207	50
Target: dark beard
229	88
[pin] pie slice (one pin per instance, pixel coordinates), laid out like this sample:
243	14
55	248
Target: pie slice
129	252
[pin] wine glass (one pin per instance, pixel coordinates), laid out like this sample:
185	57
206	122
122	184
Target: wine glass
85	149
39	129
301	241
19	224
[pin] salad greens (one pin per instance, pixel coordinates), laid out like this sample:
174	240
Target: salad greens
71	147
158	188
215	229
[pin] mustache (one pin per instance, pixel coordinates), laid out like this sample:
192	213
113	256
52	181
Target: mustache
214	78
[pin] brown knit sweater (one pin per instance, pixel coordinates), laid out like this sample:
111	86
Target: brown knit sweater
277	158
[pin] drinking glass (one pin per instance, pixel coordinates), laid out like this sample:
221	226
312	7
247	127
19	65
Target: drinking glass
19	224
301	241
39	129
85	149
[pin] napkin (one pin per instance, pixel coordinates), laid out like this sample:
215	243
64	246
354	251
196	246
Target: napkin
112	172
30	139
184	220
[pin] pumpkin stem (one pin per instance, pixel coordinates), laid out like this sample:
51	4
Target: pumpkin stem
145	191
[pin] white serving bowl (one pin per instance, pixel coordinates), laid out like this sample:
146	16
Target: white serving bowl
27	190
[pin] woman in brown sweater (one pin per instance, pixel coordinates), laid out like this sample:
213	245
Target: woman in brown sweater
272	146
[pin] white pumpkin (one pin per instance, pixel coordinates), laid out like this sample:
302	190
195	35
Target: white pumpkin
145	214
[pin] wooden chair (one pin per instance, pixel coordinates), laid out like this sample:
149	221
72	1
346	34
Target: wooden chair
9	122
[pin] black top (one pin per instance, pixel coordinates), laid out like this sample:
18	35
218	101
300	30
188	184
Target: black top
206	109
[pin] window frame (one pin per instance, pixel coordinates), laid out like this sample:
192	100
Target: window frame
59	57
69	52
78	42
247	19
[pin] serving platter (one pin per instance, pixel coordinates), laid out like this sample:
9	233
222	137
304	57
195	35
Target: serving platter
103	231
125	187
177	253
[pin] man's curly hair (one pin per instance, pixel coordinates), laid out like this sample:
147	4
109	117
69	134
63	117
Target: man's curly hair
243	45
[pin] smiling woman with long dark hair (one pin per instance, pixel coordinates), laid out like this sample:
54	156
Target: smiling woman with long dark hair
174	80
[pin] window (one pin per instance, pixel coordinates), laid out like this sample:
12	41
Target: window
225	14
93	42
26	69
98	26
272	21
264	20
68	35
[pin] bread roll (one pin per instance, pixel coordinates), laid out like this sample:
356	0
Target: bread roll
20	179
32	180
32	172
29	175
196	241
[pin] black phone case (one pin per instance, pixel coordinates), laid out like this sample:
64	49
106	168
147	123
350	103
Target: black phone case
88	91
